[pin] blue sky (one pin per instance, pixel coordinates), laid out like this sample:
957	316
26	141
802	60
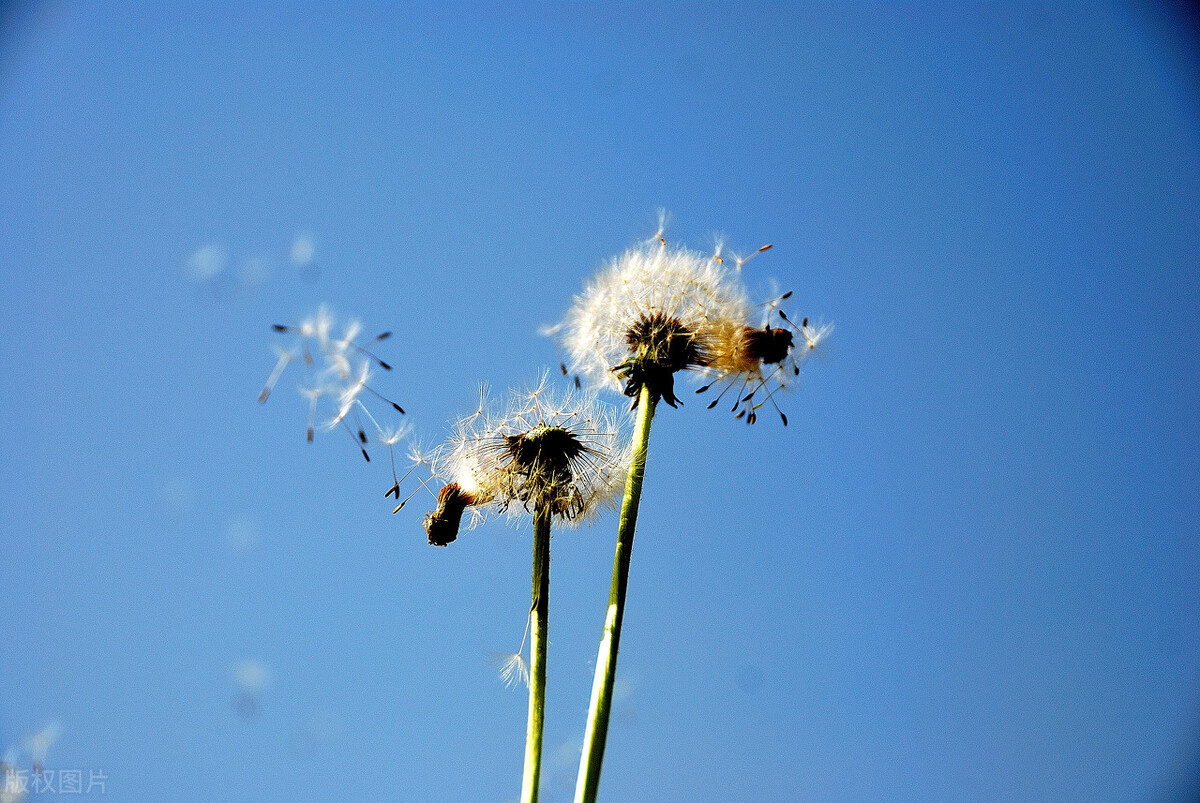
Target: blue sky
968	569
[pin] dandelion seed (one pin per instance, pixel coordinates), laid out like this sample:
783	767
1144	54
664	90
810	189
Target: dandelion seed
251	677
718	248
815	337
38	745
339	369
664	218
207	263
389	437
513	668
739	262
284	357
14	784
303	250
420	460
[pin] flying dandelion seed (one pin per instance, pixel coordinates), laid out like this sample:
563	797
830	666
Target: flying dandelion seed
657	310
303	250
339	370
39	744
207	263
251	678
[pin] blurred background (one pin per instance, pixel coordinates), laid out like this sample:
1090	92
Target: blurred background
967	570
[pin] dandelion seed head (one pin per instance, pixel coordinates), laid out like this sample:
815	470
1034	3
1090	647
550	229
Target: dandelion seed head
564	452
653	311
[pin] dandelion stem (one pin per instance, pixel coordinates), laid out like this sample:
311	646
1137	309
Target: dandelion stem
588	781
540	611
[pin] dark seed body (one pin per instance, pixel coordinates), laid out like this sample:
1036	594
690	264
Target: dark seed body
771	346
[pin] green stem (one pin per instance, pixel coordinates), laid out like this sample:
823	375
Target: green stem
606	661
540	611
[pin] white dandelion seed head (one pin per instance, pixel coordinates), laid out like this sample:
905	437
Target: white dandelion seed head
652	305
540	447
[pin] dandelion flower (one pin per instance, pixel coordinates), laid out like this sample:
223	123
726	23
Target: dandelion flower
554	456
653	311
541	449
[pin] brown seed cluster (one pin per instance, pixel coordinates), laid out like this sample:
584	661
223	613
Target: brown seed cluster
661	346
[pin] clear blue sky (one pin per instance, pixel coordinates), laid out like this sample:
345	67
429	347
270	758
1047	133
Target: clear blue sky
968	570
